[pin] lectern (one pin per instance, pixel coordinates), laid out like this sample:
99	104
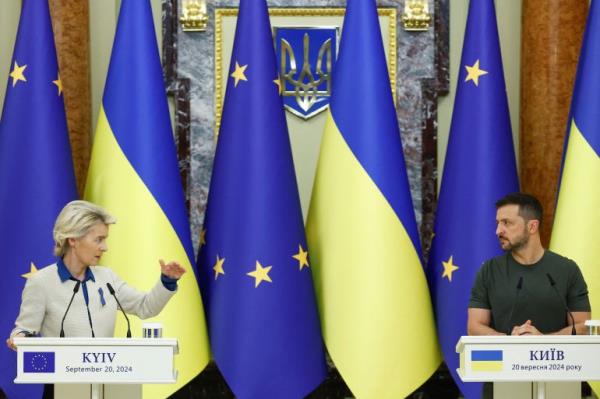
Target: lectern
96	361
538	359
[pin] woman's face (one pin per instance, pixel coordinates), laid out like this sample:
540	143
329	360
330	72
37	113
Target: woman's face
89	248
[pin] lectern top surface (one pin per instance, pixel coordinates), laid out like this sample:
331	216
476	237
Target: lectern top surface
82	341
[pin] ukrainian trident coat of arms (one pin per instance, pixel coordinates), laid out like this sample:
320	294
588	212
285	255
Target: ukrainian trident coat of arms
305	57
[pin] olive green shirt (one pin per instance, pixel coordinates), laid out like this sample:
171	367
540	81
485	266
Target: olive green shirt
495	289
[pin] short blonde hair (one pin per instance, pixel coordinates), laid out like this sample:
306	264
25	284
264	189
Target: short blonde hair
74	221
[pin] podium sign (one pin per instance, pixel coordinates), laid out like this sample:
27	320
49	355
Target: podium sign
96	360
529	358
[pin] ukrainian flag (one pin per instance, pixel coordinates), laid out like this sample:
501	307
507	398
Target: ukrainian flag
134	175
486	360
374	302
576	230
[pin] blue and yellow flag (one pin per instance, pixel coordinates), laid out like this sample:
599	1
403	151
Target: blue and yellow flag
371	289
134	174
487	360
576	230
36	171
254	266
480	168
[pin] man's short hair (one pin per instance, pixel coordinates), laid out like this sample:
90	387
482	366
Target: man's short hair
530	207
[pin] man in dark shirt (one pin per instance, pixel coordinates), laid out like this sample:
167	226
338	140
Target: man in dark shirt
520	292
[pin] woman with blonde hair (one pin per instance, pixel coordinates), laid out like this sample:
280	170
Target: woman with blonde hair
80	234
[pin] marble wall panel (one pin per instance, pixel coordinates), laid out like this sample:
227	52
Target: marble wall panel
416	60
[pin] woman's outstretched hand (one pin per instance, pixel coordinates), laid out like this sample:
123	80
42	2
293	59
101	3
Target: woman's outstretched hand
171	269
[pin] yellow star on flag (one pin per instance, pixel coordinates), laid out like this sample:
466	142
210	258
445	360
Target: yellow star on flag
302	257
474	72
58	84
202	237
32	271
218	267
238	74
260	274
278	83
17	74
449	268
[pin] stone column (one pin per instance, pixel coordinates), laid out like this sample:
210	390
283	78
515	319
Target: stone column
70	20
552	32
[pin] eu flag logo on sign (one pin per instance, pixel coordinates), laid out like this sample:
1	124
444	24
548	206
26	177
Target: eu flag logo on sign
38	362
305	57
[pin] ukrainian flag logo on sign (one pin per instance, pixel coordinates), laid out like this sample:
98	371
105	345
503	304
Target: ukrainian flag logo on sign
305	58
486	360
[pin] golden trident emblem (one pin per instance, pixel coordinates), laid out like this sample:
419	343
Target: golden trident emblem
306	87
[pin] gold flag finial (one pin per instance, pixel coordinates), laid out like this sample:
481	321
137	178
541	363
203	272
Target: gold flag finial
194	16
416	15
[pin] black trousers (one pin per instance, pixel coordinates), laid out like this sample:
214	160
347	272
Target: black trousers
488	390
48	391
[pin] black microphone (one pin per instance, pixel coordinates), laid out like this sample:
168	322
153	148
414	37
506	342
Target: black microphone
90	318
112	292
519	286
62	323
562	300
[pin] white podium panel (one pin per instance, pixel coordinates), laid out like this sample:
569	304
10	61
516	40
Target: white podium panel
529	358
96	360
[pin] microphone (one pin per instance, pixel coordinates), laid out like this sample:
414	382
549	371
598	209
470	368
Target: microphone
562	300
90	318
112	292
519	286
62	323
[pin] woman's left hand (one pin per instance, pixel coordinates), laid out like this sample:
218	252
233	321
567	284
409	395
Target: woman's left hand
171	269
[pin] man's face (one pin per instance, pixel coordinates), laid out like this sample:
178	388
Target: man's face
511	228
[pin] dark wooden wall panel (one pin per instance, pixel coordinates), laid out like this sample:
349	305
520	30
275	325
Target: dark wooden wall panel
552	31
70	19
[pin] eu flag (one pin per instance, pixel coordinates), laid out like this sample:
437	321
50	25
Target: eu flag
479	169
370	283
36	170
576	229
254	266
39	362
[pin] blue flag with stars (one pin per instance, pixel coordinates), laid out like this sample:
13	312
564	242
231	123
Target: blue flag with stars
479	169
253	264
36	171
